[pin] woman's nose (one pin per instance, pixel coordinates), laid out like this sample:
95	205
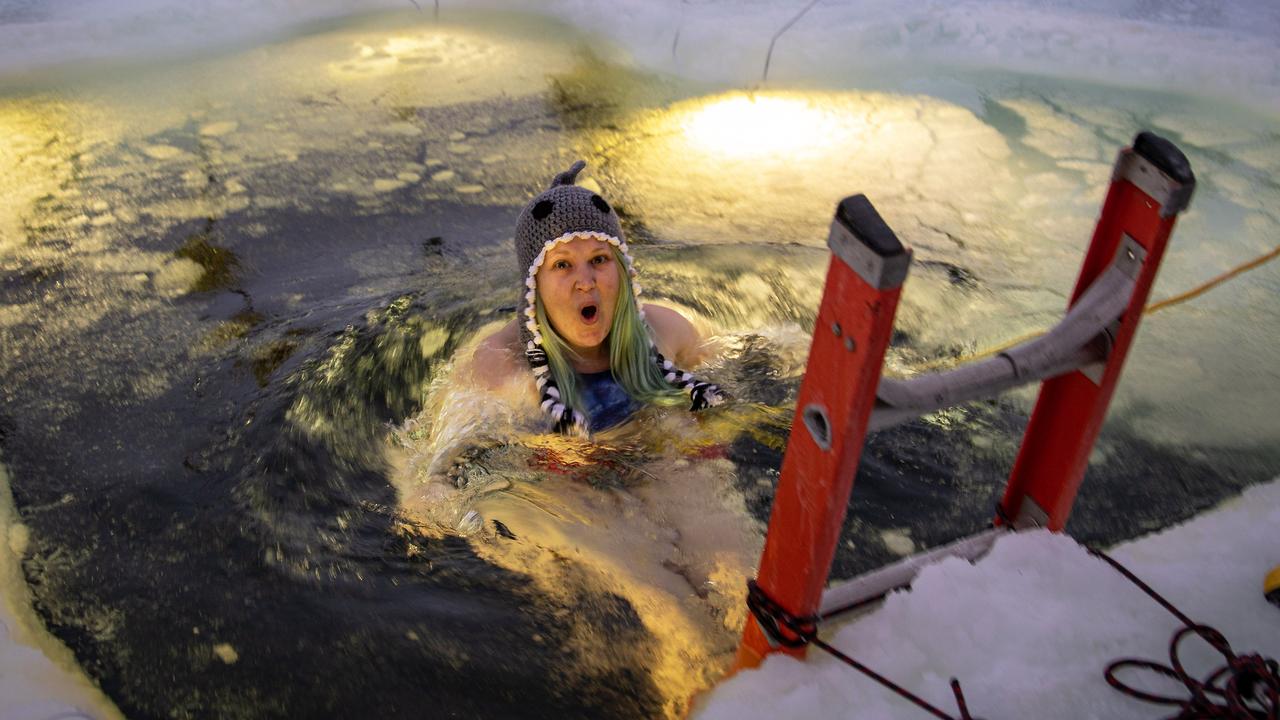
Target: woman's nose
585	279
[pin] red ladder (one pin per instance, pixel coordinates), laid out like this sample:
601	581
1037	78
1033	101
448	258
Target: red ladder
843	395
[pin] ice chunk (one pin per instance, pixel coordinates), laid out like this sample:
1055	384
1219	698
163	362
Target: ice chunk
218	129
384	185
162	152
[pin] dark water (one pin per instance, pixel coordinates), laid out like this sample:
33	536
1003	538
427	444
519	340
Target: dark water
209	470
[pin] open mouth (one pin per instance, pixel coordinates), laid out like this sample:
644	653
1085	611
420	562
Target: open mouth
589	313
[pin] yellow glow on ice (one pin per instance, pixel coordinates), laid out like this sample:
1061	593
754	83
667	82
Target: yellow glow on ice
772	165
432	49
31	135
743	125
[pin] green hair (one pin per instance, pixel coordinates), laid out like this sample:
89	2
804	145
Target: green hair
631	358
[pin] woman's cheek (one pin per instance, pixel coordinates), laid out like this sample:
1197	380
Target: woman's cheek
609	280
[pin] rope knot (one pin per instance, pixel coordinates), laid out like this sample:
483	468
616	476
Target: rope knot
1253	679
1251	690
773	619
800	631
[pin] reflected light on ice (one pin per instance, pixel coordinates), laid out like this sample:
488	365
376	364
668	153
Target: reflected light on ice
770	167
434	48
760	126
33	167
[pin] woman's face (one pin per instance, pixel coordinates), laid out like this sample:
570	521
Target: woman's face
578	289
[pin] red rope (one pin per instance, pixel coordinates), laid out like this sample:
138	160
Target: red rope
1252	689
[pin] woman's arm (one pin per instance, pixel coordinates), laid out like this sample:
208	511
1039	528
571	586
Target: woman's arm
475	408
676	337
497	358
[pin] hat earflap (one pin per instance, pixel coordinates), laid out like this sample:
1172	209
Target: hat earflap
702	394
567	420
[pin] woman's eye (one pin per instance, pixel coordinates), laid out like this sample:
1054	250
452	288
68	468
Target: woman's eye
600	259
561	265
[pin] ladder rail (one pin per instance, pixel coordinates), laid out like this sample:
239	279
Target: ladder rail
876	583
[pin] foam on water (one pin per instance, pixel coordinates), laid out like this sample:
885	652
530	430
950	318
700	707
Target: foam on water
647	513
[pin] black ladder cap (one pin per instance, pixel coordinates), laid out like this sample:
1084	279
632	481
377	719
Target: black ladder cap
860	218
1164	155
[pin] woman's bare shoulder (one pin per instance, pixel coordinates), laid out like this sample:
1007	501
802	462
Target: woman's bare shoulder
676	337
497	358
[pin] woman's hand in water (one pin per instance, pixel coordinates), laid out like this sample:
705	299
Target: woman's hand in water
447	499
445	506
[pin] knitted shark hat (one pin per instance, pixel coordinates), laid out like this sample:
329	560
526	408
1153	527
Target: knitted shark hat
561	213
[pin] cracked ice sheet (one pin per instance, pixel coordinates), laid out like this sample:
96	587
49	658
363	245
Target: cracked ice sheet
770	167
1062	143
363	90
1010	195
94	163
1210	47
1029	629
773	165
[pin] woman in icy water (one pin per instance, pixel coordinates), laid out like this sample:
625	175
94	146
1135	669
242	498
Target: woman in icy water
581	346
594	353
